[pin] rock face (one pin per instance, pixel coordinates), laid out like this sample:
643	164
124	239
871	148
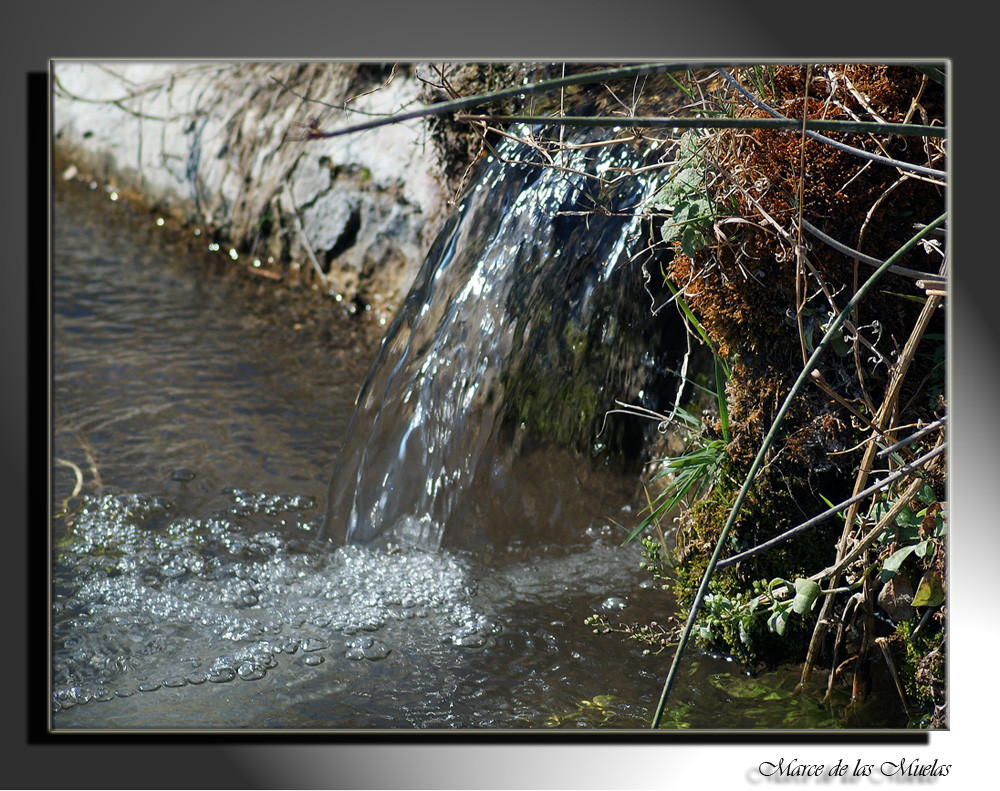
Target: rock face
221	144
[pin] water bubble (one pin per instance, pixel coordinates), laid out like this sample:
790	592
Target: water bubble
614	603
367	648
249	671
221	675
289	645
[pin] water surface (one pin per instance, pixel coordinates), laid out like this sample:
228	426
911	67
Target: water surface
204	412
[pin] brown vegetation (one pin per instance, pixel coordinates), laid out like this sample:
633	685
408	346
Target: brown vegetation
765	288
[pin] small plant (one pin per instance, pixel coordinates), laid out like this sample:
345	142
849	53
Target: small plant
916	533
694	471
657	560
690	473
684	196
654	636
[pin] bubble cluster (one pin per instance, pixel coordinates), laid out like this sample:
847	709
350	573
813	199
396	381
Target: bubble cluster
147	599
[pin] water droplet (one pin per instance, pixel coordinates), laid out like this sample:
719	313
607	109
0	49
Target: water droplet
149	686
175	681
367	648
289	646
182	474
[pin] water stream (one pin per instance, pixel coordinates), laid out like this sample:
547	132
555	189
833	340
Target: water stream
527	317
191	585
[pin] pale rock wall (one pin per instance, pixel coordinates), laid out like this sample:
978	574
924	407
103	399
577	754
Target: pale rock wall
220	144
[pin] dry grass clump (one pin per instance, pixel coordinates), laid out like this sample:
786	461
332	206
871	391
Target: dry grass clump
751	280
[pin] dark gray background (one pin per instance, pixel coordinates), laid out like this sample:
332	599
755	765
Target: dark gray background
537	30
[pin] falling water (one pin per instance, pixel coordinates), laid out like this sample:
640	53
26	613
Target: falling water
525	323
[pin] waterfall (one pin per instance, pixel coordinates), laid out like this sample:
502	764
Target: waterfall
526	321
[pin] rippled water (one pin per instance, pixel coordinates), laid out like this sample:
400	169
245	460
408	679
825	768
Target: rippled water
204	413
189	589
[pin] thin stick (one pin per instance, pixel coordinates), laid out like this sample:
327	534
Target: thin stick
800	273
300	228
820	518
882	643
914	436
865	259
79	481
678	122
444	108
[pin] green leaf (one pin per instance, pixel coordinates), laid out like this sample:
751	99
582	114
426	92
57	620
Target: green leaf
778	621
686	181
923	548
909	525
825	499
894	561
927	495
930	591
699	207
806	592
744	635
691	241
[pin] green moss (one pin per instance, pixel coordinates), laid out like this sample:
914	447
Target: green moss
922	667
774	505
